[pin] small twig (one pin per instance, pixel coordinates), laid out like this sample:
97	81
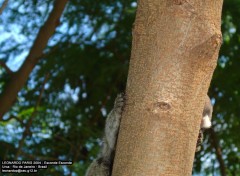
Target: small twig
52	50
65	141
218	151
34	157
8	70
29	123
3	6
104	102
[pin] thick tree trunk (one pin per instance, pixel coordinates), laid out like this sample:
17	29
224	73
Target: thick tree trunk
174	53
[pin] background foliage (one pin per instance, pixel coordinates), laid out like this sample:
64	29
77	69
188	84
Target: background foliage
60	112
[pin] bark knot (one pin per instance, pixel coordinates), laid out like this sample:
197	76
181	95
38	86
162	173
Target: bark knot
179	2
217	40
162	105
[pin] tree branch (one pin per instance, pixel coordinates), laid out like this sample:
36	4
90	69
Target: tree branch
3	6
218	151
29	123
8	70
20	77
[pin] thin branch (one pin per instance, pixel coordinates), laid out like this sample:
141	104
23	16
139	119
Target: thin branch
8	70
104	102
44	55
218	151
34	157
19	78
3	6
29	123
64	140
11	147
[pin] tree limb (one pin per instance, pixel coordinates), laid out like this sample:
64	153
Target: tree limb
29	123
218	151
20	77
8	70
3	6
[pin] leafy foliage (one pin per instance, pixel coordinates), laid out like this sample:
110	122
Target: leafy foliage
60	112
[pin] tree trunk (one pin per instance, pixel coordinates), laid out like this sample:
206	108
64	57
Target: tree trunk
174	53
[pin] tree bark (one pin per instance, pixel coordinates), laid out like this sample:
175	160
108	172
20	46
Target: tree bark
4	4
19	78
174	53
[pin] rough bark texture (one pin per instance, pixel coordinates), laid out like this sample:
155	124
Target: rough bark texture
174	53
19	78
